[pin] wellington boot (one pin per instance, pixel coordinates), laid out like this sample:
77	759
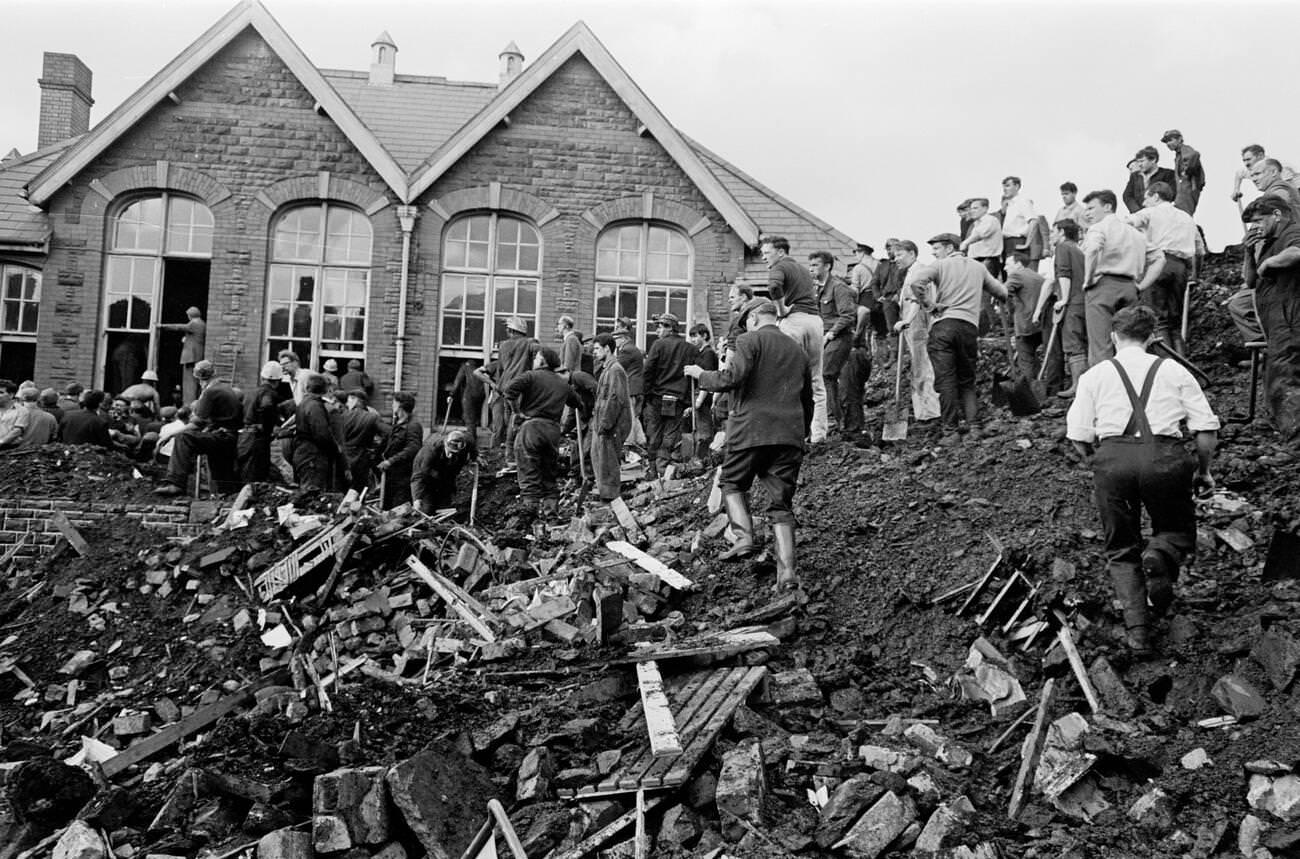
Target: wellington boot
1078	366
786	575
1160	574
1131	588
742	526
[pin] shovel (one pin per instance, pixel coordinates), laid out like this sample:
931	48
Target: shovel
582	465
895	427
1187	306
446	417
473	497
1038	386
689	441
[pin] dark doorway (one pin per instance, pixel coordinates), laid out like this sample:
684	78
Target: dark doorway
185	285
18	360
128	354
452	385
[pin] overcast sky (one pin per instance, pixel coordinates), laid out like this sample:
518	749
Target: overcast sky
876	116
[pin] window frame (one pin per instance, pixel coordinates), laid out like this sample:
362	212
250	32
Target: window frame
320	265
33	304
493	279
653	295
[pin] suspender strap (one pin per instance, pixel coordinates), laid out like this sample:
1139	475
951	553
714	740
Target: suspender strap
1137	422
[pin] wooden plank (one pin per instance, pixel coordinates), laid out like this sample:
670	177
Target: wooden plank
196	721
1032	748
980	585
507	829
301	561
654	775
681	693
641	841
726	644
71	533
708	734
1076	662
241	501
466	614
651	565
602	836
658	716
625	518
478	607
1012	581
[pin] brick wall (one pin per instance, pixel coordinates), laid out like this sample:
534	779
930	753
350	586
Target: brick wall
65	98
20	517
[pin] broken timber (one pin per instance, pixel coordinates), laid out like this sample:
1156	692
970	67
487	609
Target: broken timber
718	646
652	565
626	519
305	558
658	716
701	708
196	721
73	536
1076	662
603	835
498	821
1032	748
469	609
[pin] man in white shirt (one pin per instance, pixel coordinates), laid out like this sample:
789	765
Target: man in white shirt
1017	216
1250	156
1172	245
916	321
1140	461
983	242
1114	257
1071	209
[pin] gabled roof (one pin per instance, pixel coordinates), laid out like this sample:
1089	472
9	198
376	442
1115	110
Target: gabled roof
248	13
580	39
24	227
414	114
776	215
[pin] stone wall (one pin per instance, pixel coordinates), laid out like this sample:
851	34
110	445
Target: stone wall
22	517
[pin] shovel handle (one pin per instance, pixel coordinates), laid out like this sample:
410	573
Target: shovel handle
1051	341
898	368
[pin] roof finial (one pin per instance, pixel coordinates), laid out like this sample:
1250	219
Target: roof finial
383	60
512	63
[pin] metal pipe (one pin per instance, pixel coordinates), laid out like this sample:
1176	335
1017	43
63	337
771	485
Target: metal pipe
406	216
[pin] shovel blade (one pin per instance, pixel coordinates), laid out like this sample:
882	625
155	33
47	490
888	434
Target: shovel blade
893	431
1021	398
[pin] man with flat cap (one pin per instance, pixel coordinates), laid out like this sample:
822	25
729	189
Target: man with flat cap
217	418
666	393
437	465
1188	169
770	381
193	342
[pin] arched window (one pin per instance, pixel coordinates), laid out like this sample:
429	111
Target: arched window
642	270
318	287
157	266
492	266
22	305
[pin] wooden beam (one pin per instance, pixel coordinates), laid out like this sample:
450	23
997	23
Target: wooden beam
194	722
1076	662
651	565
71	533
1031	749
658	715
602	836
448	596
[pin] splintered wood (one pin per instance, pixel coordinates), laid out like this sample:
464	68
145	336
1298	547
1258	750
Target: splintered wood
658	715
701	707
650	564
470	610
302	560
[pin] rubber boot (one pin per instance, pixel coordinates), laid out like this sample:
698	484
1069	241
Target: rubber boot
1078	366
1131	588
742	525
783	536
1160	573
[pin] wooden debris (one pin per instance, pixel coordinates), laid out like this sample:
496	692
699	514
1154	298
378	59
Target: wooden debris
651	565
602	836
981	585
1076	662
194	722
302	560
658	716
241	501
469	609
1032	748
74	538
626	519
718	646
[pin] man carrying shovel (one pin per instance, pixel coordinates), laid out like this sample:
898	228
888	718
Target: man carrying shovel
914	330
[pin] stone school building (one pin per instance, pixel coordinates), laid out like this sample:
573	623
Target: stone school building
394	219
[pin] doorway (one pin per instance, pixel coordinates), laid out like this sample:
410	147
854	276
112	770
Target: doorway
185	285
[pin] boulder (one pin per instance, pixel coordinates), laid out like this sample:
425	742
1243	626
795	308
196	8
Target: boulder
79	841
285	844
534	779
443	797
742	785
349	807
877	828
945	825
1279	653
846	805
1238	698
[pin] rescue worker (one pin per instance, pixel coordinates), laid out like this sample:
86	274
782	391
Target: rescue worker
261	418
611	420
436	467
537	398
1140	461
517	352
315	449
666	394
1272	267
405	438
702	409
360	431
771	411
217	417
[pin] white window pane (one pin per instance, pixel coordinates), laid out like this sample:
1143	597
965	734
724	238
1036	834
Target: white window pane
529	258
678	268
656	267
658	240
479	228
606	263
478	255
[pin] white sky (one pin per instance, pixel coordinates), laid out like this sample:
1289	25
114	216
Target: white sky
876	116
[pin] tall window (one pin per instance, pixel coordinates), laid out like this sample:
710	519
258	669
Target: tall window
22	304
157	264
492	267
319	284
642	271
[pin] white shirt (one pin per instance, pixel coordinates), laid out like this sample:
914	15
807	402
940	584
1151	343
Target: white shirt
1101	406
1167	228
989	241
1289	176
1076	212
1020	211
167	435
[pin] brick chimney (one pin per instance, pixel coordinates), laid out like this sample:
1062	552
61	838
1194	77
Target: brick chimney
65	98
383	60
512	63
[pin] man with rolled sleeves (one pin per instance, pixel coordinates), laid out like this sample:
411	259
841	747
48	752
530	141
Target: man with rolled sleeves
1172	244
1126	417
770	382
1114	257
538	397
839	317
666	393
791	288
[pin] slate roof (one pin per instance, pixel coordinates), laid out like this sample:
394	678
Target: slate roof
413	116
24	227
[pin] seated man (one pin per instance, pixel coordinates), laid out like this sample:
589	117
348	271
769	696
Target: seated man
217	418
85	425
437	465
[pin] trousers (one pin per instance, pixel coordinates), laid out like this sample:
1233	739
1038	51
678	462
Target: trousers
537	455
219	446
663	429
853	381
1241	307
1279	316
607	462
776	466
1129	476
834	356
1101	302
953	347
925	397
806	330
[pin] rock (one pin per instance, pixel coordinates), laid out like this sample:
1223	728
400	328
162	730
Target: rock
443	797
285	844
793	687
393	850
533	782
131	723
702	791
1195	759
1153	812
939	747
1264	766
742	784
544	826
607	760
488	738
1279	796
79	841
1279	653
846	805
924	788
884	759
1114	694
848	702
878	827
987	676
679	829
354	799
945	825
1248	834
1238	698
